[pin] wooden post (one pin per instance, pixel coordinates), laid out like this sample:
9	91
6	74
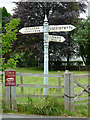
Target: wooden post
59	81
13	98
21	83
7	96
69	91
10	89
10	97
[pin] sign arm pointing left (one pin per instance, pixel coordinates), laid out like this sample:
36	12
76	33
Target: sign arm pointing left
28	30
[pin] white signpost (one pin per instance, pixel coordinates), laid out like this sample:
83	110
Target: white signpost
46	29
63	28
28	30
52	28
54	38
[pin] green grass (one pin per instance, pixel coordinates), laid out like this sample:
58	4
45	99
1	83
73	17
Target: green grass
48	106
39	106
35	70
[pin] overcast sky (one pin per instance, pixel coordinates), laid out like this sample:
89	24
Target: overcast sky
9	5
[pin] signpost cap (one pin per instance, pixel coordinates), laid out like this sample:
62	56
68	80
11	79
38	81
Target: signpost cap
45	20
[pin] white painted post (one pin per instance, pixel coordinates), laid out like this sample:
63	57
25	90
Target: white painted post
69	91
46	45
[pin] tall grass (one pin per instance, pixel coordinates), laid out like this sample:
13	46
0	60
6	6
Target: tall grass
48	106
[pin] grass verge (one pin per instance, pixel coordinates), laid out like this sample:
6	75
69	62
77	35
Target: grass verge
48	106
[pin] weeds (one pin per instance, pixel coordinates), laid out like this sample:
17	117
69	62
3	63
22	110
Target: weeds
47	106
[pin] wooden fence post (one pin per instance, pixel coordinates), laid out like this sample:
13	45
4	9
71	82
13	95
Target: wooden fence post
10	97
13	98
7	96
69	91
59	81
21	83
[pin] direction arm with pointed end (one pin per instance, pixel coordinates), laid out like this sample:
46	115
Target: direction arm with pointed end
30	30
55	38
63	28
21	30
52	28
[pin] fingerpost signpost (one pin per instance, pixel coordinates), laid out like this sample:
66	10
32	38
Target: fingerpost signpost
47	38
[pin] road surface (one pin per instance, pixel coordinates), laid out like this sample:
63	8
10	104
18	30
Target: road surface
36	117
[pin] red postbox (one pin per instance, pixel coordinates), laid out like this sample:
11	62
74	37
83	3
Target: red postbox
10	78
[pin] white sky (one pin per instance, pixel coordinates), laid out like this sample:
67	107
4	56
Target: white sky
9	6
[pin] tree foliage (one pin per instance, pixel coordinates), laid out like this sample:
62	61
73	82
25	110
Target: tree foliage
82	37
8	38
5	16
0	48
32	14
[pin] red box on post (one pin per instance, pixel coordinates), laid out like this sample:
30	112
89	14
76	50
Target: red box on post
10	78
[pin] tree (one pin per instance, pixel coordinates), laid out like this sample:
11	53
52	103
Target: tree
5	16
8	38
82	38
0	49
32	14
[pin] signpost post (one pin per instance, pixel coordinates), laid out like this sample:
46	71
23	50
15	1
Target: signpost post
46	45
46	29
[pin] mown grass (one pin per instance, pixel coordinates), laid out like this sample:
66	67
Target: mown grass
32	105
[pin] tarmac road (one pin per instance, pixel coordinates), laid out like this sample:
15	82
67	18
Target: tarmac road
24	116
11	116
